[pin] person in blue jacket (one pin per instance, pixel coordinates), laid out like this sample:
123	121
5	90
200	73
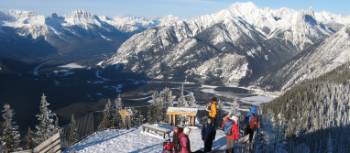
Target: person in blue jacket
208	135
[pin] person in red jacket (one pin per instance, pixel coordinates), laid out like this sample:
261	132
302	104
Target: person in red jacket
176	140
234	136
185	141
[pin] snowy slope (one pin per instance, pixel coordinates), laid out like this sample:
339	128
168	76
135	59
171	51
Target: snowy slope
77	36
330	54
315	112
124	141
233	46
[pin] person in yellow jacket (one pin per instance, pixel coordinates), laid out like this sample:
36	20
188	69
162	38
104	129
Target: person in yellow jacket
213	109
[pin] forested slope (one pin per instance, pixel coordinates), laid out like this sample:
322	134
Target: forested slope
316	112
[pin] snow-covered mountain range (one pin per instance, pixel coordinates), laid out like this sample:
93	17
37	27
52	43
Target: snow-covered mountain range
325	57
80	33
242	44
237	45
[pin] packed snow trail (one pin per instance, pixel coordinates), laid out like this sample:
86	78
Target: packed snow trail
133	141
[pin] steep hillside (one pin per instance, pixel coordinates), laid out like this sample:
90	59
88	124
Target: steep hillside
234	46
331	53
316	112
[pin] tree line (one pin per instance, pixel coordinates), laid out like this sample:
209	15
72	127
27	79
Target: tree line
315	113
10	137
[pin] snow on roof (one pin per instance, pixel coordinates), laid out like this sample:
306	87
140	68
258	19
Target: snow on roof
182	109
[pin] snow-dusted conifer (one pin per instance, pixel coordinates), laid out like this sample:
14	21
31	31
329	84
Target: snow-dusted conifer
29	139
191	99
10	137
116	118
168	96
73	130
118	103
47	122
106	118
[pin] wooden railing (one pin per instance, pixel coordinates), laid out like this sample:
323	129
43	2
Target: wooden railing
51	145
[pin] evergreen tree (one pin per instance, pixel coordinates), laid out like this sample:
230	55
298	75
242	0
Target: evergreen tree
168	96
149	114
73	130
118	102
106	118
10	137
116	116
191	100
47	122
29	139
158	107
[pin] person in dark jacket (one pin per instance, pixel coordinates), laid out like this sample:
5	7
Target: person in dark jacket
208	135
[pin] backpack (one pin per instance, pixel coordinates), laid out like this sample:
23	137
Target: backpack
228	127
253	123
168	147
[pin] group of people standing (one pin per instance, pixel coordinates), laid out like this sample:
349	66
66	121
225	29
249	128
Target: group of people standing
230	124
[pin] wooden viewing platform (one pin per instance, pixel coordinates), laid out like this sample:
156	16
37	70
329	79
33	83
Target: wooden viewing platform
189	113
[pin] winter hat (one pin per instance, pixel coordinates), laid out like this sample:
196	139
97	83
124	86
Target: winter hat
253	109
187	130
234	118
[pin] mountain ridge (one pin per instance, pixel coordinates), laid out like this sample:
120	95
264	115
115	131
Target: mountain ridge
189	47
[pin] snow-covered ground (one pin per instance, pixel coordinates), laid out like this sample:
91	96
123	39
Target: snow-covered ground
256	100
133	141
262	96
211	89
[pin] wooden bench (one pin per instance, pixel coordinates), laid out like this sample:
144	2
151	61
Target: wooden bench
157	130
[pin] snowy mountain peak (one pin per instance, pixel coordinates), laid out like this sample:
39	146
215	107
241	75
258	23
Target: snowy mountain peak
345	31
168	20
81	14
21	13
82	18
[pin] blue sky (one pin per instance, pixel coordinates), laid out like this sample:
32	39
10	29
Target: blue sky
149	8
